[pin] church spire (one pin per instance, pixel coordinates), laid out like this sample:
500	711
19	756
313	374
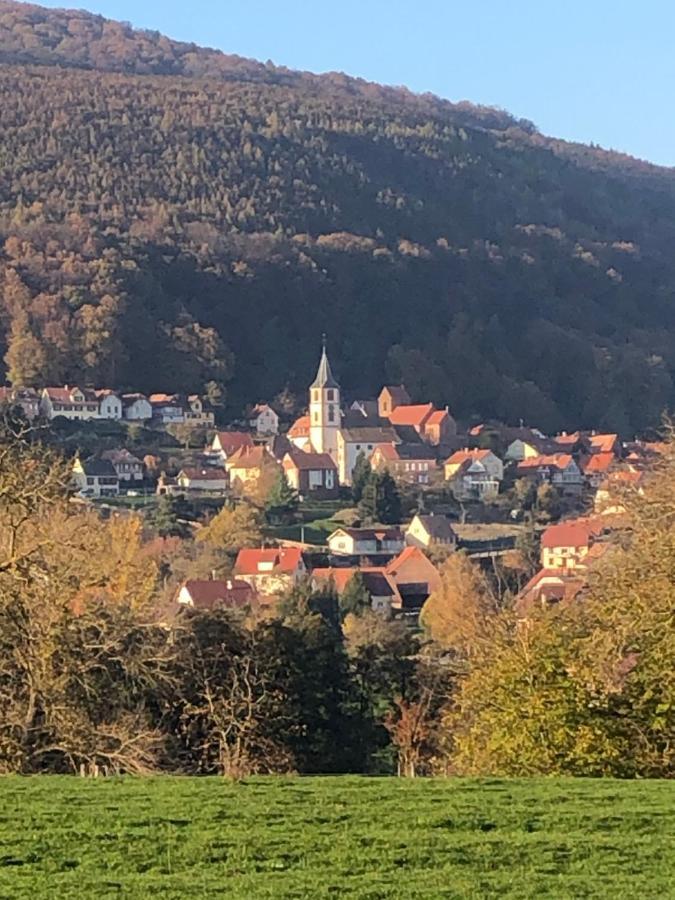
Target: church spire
324	377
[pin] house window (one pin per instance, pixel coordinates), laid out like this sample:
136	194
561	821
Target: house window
358	446
331	413
331	395
316	396
316	418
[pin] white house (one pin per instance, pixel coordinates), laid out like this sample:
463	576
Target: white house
95	478
136	407
264	420
366	541
429	531
210	479
109	405
69	402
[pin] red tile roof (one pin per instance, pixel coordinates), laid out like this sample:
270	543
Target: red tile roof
555	461
437	417
411	415
603	443
466	455
284	561
376	579
231	441
249	458
598	463
209	594
300	428
567	534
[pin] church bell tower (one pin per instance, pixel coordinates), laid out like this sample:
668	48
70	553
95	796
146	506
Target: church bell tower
324	409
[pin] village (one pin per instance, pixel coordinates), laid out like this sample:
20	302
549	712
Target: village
489	490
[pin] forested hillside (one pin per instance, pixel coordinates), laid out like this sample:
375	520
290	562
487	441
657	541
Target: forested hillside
172	217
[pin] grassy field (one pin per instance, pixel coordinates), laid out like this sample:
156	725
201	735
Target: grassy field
336	837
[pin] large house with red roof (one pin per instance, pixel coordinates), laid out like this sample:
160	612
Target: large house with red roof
271	572
69	403
226	443
567	544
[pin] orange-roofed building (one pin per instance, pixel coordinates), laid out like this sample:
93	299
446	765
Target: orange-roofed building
567	544
298	433
384	595
440	427
415	576
271	572
559	469
208	594
391	396
597	467
548	588
414	416
603	443
226	443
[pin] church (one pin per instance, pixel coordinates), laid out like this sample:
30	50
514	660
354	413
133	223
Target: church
362	428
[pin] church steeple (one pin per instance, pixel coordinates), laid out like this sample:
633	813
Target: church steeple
324	408
324	376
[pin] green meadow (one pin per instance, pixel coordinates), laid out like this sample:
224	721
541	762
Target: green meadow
335	837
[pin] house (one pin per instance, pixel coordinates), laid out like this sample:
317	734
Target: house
248	465
390	397
597	467
109	404
95	478
167	409
264	421
26	399
603	443
136	408
195	414
69	403
558	469
384	595
549	587
567	544
414	463
489	461
298	433
415	577
271	572
474	474
366	541
227	443
312	474
127	466
202	480
568	443
208	594
431	532
440	427
361	439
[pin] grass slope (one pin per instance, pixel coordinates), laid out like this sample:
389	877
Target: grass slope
335	837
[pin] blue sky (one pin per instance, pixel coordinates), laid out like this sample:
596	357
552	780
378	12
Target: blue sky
587	70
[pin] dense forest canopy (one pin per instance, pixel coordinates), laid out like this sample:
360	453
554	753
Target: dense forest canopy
171	217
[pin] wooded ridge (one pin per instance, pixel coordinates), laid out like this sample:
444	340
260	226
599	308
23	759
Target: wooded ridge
172	216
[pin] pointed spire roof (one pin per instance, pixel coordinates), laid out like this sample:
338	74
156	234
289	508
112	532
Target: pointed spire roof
324	377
